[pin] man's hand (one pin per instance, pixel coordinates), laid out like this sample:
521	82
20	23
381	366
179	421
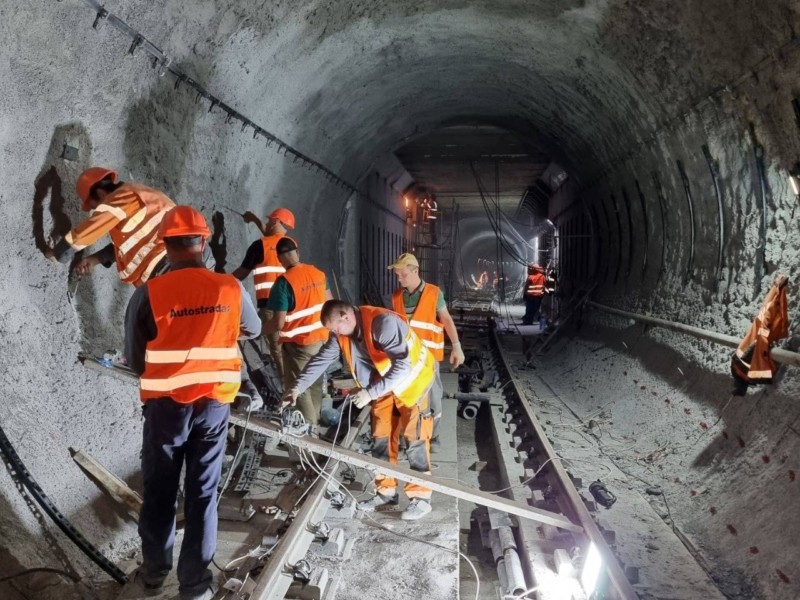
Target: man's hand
456	356
85	265
361	398
290	398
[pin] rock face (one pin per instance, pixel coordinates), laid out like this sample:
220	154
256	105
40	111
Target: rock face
618	92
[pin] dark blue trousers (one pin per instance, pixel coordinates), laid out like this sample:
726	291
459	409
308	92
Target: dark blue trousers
174	433
531	310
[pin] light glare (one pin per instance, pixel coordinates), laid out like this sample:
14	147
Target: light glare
591	570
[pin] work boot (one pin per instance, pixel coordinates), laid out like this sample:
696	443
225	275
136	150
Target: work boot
416	509
376	501
436	445
139	588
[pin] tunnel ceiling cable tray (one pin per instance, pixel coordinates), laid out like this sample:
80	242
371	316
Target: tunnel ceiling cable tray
163	64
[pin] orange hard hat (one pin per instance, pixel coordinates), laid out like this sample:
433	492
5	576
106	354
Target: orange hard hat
183	220
88	179
284	215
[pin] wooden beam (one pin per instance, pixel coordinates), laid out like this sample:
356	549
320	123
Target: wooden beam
374	465
110	483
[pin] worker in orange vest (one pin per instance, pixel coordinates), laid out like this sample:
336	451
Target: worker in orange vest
394	372
262	260
181	332
130	213
424	308
534	292
295	303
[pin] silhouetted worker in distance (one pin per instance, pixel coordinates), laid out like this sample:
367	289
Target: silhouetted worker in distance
534	292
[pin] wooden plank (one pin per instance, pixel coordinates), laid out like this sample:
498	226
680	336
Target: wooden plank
110	483
374	465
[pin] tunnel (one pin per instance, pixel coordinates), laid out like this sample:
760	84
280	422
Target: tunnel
647	151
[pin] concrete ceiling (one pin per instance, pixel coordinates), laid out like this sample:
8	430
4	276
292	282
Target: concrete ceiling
507	163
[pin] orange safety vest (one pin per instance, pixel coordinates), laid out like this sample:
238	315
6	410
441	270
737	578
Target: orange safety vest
265	274
534	287
424	320
416	383
302	325
136	211
197	314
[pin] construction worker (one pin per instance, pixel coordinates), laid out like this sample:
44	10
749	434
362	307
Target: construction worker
295	302
534	292
262	260
395	372
181	333
130	213
424	308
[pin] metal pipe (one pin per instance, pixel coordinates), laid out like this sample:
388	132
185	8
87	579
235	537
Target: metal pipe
627	203
779	355
374	465
619	238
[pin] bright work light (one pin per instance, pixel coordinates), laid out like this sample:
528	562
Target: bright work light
591	570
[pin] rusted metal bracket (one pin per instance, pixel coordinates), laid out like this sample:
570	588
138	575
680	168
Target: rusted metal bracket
689	274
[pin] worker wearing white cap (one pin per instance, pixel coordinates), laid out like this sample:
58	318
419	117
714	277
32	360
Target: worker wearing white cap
424	307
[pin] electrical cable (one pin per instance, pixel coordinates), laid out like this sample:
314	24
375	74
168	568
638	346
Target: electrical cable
235	458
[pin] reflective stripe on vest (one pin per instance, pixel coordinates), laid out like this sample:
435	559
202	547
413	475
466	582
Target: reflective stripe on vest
194	355
535	285
302	325
137	246
265	274
417	382
424	320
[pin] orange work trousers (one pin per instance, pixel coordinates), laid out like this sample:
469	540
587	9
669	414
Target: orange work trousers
390	420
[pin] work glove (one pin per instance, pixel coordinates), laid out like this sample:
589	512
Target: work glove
456	356
290	398
361	398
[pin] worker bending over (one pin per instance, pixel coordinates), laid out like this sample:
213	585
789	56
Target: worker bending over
130	213
262	260
181	332
295	303
424	308
534	292
395	372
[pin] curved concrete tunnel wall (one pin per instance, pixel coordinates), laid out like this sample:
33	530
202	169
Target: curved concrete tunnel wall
609	88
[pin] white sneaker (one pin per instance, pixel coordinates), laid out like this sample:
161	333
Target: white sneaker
376	501
417	509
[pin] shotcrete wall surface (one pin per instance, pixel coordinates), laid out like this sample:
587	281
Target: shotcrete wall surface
346	82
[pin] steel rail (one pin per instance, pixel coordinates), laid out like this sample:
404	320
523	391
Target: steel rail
274	580
643	204
618	236
626	202
571	501
779	355
664	229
